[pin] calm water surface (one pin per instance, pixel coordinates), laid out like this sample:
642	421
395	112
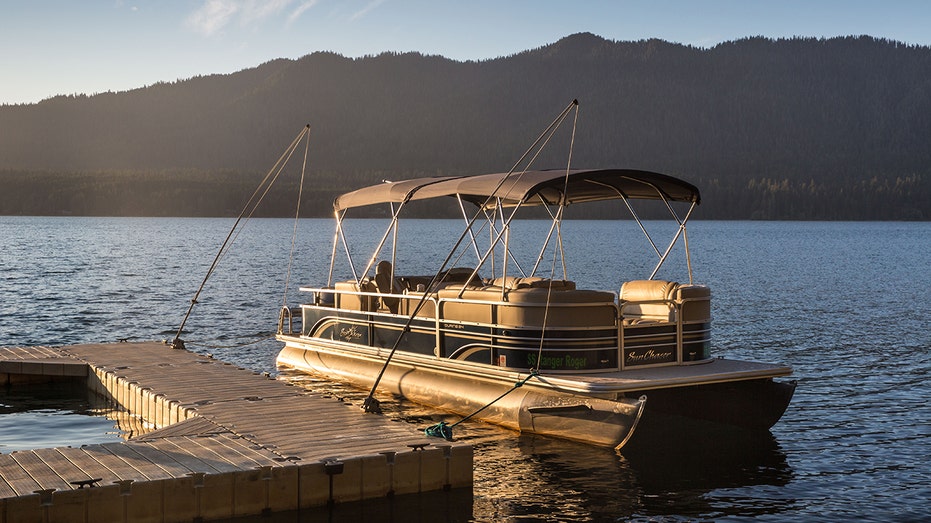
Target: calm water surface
845	304
38	416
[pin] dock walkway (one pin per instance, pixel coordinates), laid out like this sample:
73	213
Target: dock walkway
227	442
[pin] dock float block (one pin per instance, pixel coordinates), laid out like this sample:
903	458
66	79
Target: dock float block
221	442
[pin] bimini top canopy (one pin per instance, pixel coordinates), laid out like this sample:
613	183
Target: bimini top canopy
549	187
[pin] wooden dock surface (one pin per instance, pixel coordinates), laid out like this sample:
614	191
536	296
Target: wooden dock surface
228	442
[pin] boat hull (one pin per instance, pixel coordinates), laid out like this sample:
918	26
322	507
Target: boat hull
755	404
461	388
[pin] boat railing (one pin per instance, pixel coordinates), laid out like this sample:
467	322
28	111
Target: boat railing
534	307
366	298
654	324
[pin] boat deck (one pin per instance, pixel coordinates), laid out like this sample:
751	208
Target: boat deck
228	442
705	373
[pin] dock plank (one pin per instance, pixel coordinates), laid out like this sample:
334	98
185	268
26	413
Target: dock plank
6	490
164	460
113	463
30	353
62	465
40	471
180	449
219	455
91	467
151	470
295	428
16	477
190	427
245	452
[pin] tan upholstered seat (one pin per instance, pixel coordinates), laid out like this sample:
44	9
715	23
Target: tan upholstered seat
648	300
355	301
527	306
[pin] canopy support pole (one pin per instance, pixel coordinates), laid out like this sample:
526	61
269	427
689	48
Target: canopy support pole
465	217
675	238
339	218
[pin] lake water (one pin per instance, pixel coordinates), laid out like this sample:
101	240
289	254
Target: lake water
39	416
845	304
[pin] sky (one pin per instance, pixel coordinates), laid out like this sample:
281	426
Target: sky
53	47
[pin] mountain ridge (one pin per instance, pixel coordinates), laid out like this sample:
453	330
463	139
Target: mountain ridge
823	115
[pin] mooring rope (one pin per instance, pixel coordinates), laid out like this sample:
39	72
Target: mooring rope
445	430
371	404
297	216
257	196
558	220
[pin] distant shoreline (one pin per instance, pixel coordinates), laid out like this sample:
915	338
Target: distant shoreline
203	193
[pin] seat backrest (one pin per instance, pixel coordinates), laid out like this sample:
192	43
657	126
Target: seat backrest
345	300
648	300
384	282
534	282
648	290
383	277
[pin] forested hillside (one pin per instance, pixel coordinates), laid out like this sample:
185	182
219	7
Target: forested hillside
768	129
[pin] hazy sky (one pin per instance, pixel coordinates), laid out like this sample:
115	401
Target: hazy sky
50	47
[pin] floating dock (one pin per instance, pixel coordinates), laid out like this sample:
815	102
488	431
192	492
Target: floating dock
227	442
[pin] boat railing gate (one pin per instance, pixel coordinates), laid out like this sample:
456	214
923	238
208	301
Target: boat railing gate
286	320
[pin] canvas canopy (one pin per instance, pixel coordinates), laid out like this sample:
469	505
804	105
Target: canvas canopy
530	188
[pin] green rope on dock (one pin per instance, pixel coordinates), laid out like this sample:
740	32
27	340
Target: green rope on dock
440	430
445	430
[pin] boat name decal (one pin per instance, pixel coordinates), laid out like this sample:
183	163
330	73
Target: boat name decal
558	362
350	333
453	326
649	356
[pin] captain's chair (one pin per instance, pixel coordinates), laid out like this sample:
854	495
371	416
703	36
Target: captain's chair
385	283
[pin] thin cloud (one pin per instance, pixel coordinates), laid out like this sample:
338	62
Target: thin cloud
300	10
214	15
255	10
366	10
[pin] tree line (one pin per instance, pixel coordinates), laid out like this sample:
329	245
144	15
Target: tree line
213	193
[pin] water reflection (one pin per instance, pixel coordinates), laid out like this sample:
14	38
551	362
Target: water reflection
693	476
532	477
45	415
